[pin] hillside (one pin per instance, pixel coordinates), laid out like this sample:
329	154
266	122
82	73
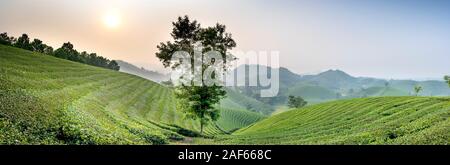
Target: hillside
378	120
47	100
232	119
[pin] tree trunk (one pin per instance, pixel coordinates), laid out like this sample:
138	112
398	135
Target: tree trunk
201	127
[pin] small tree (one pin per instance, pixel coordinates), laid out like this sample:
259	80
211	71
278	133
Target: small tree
447	79
296	102
417	89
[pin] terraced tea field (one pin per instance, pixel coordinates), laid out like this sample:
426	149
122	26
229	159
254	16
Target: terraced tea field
50	100
232	119
46	100
382	120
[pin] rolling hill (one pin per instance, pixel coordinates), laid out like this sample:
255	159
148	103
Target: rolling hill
47	100
377	120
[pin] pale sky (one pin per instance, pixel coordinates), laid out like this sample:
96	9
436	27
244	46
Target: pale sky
387	39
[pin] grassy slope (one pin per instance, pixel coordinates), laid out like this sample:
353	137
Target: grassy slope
50	100
382	120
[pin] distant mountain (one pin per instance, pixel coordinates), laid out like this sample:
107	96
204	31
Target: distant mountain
336	84
141	72
331	79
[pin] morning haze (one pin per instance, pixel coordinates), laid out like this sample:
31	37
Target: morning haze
386	39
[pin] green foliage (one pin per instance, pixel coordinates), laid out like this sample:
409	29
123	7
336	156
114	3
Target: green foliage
113	65
40	47
296	102
67	52
376	120
24	120
23	42
200	99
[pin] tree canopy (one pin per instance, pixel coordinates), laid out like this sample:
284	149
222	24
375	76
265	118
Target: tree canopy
296	102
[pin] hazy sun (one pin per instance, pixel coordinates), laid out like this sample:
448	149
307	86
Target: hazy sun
111	19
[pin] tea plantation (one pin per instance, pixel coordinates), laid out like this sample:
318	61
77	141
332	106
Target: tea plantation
378	120
47	100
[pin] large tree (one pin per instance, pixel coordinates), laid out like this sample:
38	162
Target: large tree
197	97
